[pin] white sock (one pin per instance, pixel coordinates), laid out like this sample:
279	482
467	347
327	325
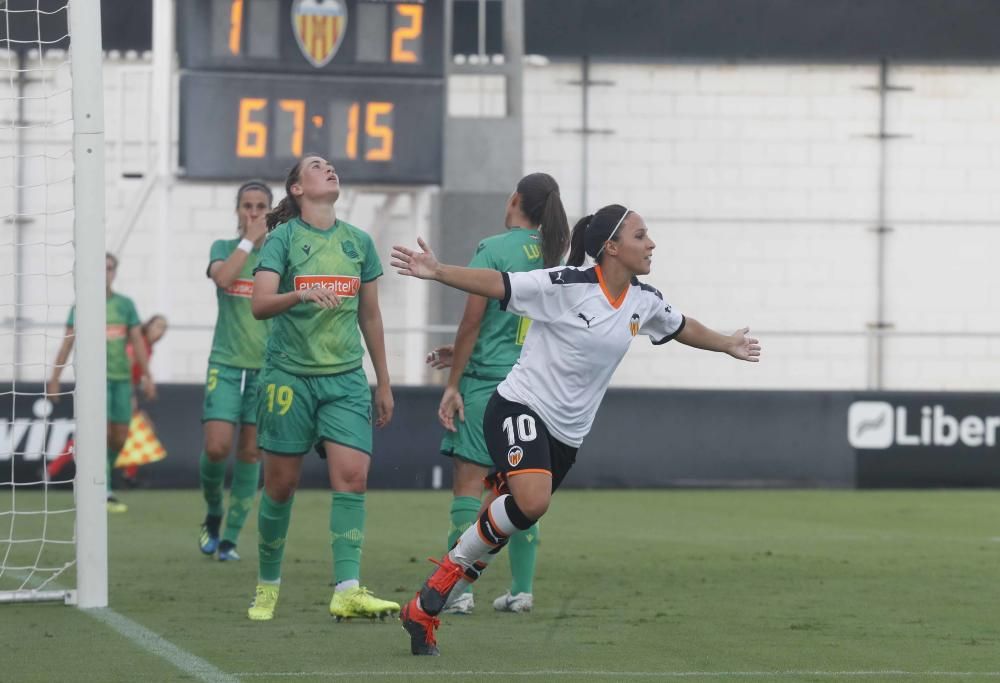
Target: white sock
471	546
346	585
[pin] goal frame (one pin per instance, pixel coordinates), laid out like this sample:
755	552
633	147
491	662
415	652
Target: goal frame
90	357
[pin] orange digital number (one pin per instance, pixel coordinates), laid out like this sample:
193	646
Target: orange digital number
415	13
235	26
373	129
297	108
251	136
351	148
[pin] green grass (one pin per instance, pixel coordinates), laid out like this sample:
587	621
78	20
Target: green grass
642	581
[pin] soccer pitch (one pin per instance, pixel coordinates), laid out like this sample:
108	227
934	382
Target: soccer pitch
699	585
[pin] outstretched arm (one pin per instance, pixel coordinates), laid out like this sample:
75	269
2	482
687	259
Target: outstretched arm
739	344
424	265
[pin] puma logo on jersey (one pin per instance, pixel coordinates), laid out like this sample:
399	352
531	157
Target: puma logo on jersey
584	318
558	278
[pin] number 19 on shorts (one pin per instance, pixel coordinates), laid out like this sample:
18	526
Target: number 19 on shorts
281	395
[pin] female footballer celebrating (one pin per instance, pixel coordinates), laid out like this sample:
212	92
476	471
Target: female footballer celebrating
584	320
486	347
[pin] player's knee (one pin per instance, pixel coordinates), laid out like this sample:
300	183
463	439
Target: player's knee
351	482
250	455
280	491
216	451
534	508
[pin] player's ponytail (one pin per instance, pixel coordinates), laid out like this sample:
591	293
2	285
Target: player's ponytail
541	203
591	232
577	249
287	208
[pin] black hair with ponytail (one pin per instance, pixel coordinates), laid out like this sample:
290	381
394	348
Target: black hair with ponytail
541	203
591	232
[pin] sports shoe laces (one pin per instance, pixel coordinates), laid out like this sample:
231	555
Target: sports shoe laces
428	622
446	579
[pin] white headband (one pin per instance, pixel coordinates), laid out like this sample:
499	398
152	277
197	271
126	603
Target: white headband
612	235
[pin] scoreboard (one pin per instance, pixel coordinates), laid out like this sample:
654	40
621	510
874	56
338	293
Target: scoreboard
360	82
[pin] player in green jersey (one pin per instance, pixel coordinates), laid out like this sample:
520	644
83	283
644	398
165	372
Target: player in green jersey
122	326
231	384
317	278
486	347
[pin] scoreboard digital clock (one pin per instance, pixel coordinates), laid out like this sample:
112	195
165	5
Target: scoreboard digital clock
360	82
239	126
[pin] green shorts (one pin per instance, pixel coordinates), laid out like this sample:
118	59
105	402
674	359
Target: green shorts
119	401
468	443
230	395
297	412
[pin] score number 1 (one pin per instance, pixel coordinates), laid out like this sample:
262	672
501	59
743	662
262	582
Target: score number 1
252	133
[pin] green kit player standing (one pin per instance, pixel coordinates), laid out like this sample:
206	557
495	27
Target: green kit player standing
231	384
123	326
317	278
486	347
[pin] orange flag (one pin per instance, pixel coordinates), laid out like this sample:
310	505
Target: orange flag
142	447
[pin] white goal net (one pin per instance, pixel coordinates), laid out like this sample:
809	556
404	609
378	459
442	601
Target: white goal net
52	528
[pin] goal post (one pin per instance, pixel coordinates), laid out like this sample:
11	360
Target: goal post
88	275
53	541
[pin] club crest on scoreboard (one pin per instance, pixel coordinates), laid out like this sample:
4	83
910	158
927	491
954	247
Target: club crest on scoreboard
319	27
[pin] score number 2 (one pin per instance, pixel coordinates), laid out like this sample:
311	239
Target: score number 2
252	133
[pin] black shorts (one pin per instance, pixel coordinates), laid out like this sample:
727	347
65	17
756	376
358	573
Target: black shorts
519	441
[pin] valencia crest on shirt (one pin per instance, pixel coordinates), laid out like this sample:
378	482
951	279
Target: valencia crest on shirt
515	455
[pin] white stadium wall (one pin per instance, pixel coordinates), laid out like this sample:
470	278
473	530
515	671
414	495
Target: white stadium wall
760	184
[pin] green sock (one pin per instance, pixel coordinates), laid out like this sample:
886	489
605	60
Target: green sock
464	513
272	524
241	497
523	549
347	533
212	476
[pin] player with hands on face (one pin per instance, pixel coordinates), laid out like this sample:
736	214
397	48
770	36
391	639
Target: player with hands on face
230	408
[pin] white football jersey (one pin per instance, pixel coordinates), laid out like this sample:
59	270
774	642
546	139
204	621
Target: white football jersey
577	338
